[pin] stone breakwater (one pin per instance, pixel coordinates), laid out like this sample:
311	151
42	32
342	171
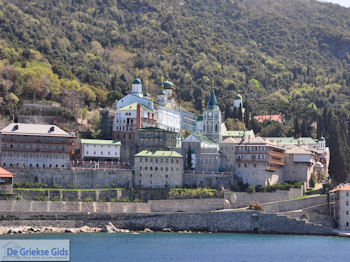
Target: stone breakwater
237	221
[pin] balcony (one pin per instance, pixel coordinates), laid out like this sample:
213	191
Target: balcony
277	154
276	162
51	142
271	168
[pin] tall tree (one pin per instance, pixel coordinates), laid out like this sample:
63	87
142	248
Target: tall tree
189	158
337	165
296	127
240	113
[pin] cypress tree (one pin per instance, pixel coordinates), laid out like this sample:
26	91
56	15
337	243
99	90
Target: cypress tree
189	158
246	117
240	113
296	127
235	113
337	165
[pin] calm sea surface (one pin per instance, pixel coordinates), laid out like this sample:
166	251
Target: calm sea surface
200	247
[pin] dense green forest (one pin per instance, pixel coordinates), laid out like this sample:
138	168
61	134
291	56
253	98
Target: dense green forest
283	56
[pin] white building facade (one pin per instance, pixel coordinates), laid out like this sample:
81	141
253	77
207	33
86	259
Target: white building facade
95	149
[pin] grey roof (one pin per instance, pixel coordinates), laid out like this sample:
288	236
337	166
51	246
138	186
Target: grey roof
34	130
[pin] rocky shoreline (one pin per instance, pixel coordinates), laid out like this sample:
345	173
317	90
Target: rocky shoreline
108	228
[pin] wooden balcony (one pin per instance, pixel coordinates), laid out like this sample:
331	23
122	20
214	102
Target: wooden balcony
276	162
277	154
271	168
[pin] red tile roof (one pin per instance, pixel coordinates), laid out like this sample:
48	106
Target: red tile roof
263	118
341	188
5	173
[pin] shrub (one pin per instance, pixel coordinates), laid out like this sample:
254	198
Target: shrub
313	180
56	198
137	200
251	189
114	200
256	206
18	198
41	198
89	199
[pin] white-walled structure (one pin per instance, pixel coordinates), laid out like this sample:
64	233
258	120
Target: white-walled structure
340	206
96	149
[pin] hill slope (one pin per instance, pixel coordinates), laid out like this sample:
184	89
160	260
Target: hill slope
289	52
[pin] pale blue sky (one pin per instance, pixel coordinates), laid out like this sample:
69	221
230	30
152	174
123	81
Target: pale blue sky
345	3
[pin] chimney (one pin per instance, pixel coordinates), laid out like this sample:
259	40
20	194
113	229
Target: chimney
138	116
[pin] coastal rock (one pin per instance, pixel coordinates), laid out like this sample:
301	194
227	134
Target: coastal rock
112	226
166	229
86	229
119	230
70	230
108	229
148	230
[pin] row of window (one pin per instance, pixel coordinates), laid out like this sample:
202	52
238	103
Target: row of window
156	159
103	146
33	165
109	153
160	168
37	139
39	155
150	175
251	148
34	147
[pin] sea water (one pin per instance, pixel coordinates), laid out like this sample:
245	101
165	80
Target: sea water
93	247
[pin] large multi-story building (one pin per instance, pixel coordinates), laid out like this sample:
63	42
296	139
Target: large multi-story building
158	169
34	145
255	160
154	138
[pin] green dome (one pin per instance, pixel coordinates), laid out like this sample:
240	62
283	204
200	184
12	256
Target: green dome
136	81
238	97
167	84
322	139
161	92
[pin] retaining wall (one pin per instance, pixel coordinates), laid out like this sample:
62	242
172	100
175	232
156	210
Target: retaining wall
209	179
78	177
245	221
242	199
184	205
304	203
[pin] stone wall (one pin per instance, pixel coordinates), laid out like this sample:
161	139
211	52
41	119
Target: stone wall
187	205
297	204
242	199
243	221
209	179
77	177
183	205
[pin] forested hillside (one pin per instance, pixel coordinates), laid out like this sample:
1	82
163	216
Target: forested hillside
268	50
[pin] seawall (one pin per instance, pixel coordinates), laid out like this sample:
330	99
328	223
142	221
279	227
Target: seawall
242	221
15	207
